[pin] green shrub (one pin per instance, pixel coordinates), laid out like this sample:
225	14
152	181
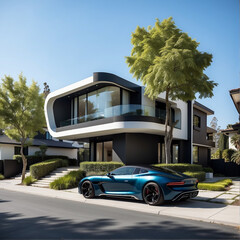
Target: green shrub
215	186
70	180
41	169
227	154
28	180
99	166
96	173
181	167
208	170
217	154
1	177
199	175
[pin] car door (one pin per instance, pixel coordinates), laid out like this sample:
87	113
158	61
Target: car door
119	181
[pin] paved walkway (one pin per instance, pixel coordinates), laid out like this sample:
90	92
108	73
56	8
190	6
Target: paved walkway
225	197
191	209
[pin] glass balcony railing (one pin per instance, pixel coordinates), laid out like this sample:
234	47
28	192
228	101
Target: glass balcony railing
119	110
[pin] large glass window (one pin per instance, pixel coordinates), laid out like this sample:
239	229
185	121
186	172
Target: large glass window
99	150
175	153
195	154
96	104
104	151
81	108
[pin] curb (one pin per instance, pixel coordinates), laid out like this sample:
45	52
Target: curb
132	206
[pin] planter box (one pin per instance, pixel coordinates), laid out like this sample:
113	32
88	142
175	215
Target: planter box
209	175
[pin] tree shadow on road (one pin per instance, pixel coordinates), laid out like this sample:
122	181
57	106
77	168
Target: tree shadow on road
17	226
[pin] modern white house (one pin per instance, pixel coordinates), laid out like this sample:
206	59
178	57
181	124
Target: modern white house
120	123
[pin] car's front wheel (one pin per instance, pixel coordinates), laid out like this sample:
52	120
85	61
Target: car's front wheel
152	194
87	189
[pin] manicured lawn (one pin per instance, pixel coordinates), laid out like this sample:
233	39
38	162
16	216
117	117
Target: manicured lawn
215	186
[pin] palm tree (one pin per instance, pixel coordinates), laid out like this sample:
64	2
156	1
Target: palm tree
235	140
236	157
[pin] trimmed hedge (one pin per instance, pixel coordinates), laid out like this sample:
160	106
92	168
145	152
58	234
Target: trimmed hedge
70	180
100	166
28	180
41	169
199	175
33	159
181	167
96	173
215	186
208	170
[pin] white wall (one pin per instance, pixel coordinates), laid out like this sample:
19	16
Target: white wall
71	153
229	139
6	151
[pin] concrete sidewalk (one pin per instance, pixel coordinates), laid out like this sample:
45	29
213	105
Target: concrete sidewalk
191	209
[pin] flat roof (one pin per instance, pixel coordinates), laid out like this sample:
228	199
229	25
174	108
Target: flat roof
203	108
235	95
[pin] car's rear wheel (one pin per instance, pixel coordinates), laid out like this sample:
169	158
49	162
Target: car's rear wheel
87	189
152	194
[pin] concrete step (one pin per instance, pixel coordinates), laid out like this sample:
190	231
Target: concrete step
59	172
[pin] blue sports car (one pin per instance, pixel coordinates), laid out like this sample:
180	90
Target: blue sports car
154	185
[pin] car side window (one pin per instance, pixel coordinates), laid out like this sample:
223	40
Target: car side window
123	171
136	171
143	170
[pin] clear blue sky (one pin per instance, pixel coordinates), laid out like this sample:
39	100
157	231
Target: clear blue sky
64	41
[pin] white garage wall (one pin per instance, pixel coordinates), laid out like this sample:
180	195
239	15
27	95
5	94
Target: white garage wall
6	151
71	153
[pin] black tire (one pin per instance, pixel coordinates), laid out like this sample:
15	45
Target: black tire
87	189
152	194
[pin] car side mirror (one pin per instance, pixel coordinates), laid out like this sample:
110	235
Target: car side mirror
110	174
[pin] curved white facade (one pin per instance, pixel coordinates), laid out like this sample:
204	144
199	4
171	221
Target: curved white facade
113	127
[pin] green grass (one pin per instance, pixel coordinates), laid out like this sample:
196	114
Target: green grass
29	180
70	180
215	186
1	177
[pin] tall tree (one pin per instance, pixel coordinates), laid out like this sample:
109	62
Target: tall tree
223	142
166	60
21	111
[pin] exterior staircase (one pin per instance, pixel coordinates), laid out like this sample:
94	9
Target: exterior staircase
19	176
59	172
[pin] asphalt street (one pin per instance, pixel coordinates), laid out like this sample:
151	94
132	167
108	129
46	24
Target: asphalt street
27	216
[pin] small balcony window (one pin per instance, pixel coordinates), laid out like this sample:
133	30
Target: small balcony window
196	121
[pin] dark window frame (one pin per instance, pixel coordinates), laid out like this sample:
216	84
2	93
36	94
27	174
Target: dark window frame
197	123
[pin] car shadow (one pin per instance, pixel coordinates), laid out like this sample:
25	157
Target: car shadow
189	203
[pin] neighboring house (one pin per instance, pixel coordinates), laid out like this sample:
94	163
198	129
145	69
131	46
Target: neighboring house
9	147
120	123
235	129
235	95
202	135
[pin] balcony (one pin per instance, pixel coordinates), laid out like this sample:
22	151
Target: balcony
122	110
